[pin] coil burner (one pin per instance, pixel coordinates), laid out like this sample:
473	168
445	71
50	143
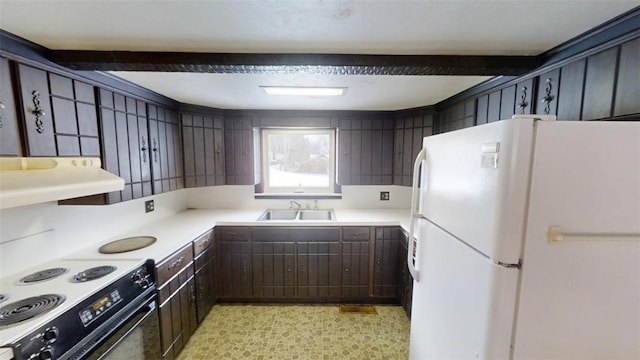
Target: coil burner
42	275
28	308
93	273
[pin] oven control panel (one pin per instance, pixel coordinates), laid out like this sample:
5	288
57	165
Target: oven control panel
90	313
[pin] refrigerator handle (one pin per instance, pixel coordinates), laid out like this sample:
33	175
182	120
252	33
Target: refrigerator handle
415	193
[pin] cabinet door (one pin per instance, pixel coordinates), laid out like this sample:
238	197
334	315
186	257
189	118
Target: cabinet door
9	140
154	138
628	86
385	268
36	107
204	286
235	269
355	262
219	156
273	269
188	309
405	283
238	141
166	329
319	270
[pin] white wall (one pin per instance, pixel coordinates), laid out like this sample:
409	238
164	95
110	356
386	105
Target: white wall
35	234
31	235
353	197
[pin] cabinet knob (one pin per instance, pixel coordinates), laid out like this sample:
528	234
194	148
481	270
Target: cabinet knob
144	148
38	112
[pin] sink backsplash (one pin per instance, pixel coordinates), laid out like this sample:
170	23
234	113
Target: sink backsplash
35	234
353	197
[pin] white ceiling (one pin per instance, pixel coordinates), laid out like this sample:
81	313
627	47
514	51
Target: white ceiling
471	27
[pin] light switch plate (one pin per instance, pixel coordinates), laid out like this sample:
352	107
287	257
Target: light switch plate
148	206
384	195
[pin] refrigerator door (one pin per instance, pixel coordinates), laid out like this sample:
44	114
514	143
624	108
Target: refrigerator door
476	185
464	306
580	297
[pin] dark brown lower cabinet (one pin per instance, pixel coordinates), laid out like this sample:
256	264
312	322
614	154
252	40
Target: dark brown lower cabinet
385	263
405	280
308	264
273	265
204	260
177	299
319	270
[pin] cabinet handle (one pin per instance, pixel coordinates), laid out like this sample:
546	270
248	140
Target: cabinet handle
38	112
176	263
523	100
144	149
155	150
547	98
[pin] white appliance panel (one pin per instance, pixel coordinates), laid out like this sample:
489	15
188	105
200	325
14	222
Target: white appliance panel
475	185
464	304
581	299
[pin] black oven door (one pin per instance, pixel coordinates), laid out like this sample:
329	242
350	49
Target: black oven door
134	337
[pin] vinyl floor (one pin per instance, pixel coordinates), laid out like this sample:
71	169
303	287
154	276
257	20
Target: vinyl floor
299	332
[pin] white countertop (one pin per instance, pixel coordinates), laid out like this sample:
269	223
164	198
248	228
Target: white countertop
176	231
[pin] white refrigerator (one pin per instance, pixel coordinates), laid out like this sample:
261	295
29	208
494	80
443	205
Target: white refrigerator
527	242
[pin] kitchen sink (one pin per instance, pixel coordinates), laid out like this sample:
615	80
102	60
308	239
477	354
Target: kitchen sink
279	215
297	215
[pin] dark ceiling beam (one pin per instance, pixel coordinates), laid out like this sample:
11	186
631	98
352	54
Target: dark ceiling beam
317	64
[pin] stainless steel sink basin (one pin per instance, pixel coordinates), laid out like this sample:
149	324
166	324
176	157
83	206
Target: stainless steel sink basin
279	215
296	215
316	215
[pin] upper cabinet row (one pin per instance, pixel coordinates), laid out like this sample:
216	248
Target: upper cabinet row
47	114
601	86
58	113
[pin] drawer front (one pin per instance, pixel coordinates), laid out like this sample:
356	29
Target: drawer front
230	233
294	234
173	264
202	243
202	259
355	234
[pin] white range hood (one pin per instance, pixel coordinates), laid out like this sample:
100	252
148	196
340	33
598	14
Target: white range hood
25	181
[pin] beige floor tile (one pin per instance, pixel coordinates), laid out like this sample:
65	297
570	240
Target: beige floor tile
299	332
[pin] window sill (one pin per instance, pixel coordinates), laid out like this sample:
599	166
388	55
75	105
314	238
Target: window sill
292	196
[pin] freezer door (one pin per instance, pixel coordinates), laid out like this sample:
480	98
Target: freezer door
580	298
476	185
463	307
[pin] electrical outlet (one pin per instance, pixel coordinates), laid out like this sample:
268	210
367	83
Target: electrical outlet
148	206
384	195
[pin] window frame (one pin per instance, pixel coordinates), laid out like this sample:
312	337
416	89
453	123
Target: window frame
264	134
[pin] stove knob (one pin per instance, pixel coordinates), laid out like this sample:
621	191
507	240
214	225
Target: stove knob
46	354
50	334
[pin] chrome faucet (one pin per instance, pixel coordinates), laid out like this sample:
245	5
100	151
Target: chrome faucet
297	204
315	205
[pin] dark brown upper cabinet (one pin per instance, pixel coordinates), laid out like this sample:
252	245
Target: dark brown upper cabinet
36	111
627	99
203	146
9	138
238	147
365	151
166	149
59	114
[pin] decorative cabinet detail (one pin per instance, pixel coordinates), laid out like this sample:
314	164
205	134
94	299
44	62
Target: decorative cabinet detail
125	144
205	276
165	149
177	299
9	138
204	155
59	114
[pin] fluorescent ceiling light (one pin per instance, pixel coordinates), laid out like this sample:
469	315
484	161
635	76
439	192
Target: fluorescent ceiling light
304	90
